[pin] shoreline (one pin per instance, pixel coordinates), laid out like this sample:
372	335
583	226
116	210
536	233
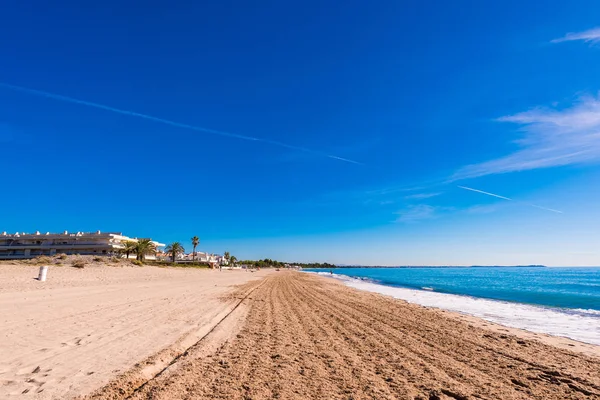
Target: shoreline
109	332
566	343
303	336
579	326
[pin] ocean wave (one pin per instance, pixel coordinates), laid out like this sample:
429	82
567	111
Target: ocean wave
586	311
577	324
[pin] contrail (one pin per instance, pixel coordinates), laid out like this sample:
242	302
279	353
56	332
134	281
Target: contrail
169	122
509	199
545	208
489	194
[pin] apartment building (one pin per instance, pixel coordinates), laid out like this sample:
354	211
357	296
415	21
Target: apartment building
30	245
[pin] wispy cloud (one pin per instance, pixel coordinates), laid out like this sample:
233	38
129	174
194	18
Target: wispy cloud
72	100
392	190
421	212
509	199
420	196
545	208
551	137
479	209
416	213
589	36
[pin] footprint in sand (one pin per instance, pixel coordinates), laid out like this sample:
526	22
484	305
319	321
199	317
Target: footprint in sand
34	384
75	342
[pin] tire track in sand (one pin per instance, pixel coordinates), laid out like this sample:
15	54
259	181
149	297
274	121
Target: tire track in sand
307	337
489	351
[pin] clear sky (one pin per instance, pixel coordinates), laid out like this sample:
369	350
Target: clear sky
371	132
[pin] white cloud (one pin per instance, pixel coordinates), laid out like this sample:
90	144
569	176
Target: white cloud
551	138
416	213
589	36
420	196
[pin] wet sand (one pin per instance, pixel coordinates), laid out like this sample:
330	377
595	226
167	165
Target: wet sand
298	336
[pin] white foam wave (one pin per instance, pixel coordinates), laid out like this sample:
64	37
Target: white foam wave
577	324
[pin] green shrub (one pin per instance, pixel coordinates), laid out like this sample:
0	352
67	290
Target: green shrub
137	262
62	256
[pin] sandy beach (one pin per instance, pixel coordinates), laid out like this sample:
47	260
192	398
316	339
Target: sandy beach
82	327
154	333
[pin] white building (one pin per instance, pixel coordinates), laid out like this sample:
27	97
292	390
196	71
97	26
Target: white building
30	245
201	257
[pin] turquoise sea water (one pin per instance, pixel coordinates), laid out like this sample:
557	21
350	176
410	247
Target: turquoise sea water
557	301
575	288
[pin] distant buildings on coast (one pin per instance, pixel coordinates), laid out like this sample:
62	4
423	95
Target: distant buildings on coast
31	245
201	257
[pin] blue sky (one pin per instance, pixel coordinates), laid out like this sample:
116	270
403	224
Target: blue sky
309	131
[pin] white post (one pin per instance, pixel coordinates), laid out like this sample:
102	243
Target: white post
43	273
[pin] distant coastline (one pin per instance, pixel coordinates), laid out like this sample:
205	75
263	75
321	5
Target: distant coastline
439	266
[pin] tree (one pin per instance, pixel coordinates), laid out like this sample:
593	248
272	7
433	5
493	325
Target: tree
195	242
226	256
144	247
233	259
128	247
174	249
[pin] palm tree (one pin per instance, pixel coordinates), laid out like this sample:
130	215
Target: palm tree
144	247
175	249
128	247
226	256
233	259
195	242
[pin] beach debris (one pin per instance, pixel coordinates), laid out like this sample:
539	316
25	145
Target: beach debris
43	273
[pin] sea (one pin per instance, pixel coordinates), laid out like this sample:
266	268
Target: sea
561	301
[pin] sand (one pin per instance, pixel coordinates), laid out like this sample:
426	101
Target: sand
171	334
307	337
82	327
